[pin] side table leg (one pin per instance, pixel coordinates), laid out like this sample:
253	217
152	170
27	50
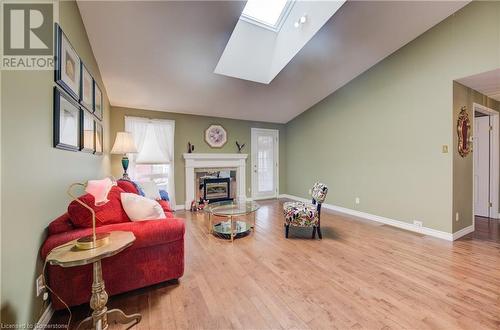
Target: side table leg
118	316
99	319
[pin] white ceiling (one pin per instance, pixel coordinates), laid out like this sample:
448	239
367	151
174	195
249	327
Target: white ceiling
161	55
487	83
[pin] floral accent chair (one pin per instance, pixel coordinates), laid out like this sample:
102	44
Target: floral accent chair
300	214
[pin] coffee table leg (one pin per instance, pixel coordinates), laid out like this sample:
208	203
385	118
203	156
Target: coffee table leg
209	223
232	232
254	218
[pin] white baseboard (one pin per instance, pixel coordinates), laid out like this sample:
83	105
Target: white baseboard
44	320
384	220
463	232
179	207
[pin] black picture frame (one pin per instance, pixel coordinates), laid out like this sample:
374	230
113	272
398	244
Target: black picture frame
98	106
60	40
87	131
61	99
99	138
90	104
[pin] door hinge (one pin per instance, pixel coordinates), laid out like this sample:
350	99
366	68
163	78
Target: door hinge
490	204
491	128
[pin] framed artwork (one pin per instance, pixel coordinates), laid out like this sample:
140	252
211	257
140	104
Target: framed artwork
66	121
98	138
216	136
87	132
87	89
68	65
97	101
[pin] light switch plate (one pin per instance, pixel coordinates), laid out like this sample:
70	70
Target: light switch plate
445	149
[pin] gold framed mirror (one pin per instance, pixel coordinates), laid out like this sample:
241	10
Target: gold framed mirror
464	133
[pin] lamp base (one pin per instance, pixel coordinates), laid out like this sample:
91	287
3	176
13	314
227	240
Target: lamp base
87	242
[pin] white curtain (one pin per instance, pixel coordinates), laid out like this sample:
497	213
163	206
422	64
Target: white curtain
164	131
138	128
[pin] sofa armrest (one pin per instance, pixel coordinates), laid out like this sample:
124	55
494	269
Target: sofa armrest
147	233
165	205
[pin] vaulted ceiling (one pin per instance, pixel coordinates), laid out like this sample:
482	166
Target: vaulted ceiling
487	83
161	55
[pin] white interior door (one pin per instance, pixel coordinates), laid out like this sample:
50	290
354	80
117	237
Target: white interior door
481	166
265	144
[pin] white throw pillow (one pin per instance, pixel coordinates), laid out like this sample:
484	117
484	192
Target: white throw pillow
150	189
141	208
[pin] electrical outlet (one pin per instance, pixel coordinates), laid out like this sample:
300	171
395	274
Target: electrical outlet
457	216
40	285
310	191
357	200
417	223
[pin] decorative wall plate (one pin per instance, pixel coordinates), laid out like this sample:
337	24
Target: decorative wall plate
464	133
216	136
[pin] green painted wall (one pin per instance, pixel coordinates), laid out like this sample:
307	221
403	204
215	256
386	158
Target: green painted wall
35	176
463	183
191	128
380	137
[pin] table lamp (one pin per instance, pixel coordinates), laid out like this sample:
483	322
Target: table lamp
99	189
124	144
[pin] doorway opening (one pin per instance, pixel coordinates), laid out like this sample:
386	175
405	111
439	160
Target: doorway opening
486	163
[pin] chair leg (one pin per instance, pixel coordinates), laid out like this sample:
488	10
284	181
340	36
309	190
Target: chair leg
319	232
314	233
286	230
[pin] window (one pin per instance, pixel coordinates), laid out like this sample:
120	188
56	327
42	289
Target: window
154	159
269	14
158	173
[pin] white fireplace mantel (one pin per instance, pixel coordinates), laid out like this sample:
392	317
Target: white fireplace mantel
194	161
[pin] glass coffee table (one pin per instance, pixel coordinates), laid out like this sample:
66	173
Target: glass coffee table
239	218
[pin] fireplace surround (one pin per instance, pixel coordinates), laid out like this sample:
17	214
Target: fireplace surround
218	161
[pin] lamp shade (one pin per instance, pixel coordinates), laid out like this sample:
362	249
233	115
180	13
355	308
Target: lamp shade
99	189
124	143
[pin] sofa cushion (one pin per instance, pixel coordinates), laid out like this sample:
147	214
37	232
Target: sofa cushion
127	186
109	213
60	225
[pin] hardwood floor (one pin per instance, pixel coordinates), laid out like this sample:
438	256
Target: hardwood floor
361	275
486	229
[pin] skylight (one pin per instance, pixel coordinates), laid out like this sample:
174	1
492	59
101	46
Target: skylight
266	13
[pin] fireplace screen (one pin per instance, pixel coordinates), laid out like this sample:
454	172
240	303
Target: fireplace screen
217	189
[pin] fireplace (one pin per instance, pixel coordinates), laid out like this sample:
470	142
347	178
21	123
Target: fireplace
217	189
200	166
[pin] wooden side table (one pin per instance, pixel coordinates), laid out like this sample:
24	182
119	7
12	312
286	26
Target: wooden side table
67	255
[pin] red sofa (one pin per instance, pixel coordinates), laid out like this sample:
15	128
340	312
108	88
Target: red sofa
157	255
